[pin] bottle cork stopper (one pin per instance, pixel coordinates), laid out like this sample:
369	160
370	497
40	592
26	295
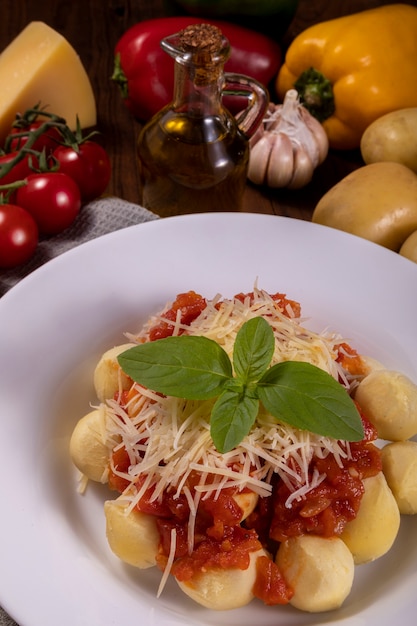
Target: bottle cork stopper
200	38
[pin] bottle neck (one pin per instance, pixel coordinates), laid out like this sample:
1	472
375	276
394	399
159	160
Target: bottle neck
197	89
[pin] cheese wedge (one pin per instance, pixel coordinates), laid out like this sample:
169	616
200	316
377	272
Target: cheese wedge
40	67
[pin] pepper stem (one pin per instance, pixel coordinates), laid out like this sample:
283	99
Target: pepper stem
119	77
316	94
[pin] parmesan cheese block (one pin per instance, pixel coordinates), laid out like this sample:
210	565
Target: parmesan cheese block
40	67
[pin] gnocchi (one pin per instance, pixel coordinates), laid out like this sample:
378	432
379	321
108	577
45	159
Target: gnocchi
399	464
133	536
113	443
389	399
319	570
373	531
89	450
223	589
108	377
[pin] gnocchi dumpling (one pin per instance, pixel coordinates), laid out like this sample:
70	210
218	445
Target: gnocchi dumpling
88	445
389	399
319	570
373	531
399	464
108	376
247	500
223	589
132	536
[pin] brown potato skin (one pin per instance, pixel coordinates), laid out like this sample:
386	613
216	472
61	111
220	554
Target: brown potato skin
392	138
377	202
409	247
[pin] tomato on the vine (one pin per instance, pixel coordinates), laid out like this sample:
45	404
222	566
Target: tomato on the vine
48	140
88	164
18	236
19	171
52	198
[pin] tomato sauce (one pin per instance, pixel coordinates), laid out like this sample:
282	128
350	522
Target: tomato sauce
270	586
284	304
350	360
190	304
121	462
326	509
221	539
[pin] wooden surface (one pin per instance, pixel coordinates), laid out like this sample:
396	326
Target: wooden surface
93	27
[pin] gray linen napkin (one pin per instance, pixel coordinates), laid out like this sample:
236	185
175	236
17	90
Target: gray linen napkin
5	620
95	219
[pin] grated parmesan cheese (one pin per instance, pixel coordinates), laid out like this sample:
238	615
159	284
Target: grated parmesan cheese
168	438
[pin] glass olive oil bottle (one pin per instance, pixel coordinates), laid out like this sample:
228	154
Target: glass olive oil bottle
193	154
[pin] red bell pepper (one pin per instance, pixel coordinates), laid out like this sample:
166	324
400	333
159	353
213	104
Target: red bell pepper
145	73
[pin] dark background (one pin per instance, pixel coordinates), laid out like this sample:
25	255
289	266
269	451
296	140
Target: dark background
93	27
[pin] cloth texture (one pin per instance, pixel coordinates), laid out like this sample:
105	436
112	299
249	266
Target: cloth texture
95	219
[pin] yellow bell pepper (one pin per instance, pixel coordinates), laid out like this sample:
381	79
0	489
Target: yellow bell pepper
351	70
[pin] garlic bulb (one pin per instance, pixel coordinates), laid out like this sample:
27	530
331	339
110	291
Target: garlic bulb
288	146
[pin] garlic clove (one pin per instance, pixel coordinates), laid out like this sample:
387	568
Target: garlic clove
303	169
281	161
259	158
288	146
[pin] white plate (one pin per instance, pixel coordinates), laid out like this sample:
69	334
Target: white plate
55	565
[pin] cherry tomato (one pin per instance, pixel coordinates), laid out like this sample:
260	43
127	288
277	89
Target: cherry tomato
49	140
18	171
52	198
18	235
89	166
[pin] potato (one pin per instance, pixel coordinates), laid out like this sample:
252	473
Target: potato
392	137
319	570
399	464
409	247
134	537
389	400
223	589
377	202
88	449
371	534
108	376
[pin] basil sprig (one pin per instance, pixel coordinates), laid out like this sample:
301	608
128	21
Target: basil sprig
197	368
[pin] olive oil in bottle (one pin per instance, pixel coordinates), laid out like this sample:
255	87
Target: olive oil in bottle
193	154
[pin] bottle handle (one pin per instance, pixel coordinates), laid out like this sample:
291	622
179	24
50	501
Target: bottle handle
238	85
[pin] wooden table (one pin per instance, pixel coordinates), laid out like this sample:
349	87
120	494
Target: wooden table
94	26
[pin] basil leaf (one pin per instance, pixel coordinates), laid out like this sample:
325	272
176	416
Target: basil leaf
189	367
232	417
309	398
253	349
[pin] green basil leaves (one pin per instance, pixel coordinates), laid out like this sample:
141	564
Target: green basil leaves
197	368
